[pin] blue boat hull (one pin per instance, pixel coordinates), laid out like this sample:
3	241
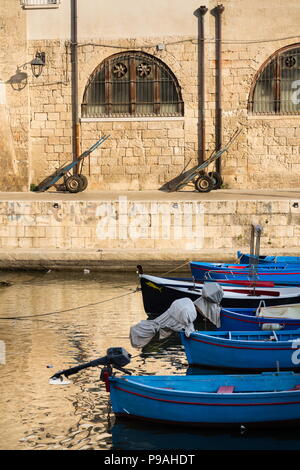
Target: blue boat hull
201	400
279	279
246	259
288	275
243	350
243	319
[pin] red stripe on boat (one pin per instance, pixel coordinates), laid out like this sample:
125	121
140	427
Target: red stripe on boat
230	272
237	347
206	404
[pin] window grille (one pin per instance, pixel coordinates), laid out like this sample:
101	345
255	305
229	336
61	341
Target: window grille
277	87
132	84
39	3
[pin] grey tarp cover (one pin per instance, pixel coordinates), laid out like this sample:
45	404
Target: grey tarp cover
179	316
209	302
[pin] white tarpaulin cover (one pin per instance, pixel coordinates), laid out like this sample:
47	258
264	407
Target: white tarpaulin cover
280	311
209	302
179	316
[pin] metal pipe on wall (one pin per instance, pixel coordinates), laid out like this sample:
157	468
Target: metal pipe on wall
219	123
201	73
74	84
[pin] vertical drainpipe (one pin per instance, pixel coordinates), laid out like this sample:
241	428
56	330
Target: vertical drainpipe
219	124
201	72
74	85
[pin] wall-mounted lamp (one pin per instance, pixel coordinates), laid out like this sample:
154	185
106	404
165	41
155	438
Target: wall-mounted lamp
38	63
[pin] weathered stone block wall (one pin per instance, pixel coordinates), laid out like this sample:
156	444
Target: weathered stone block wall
211	229
35	122
140	153
145	154
14	103
51	113
266	154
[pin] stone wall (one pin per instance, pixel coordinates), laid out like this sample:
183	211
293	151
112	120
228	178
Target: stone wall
146	153
267	152
134	229
140	153
50	111
14	101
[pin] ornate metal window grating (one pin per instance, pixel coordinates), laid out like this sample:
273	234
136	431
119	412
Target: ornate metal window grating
132	84
276	89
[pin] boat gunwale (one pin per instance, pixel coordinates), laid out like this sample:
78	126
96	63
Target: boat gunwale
239	295
260	319
178	284
278	342
206	395
241	268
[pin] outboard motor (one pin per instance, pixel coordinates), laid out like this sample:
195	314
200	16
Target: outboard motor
115	358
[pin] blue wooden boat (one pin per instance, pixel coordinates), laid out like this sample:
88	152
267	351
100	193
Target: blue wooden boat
202	400
246	259
244	319
259	350
268	272
232	400
279	274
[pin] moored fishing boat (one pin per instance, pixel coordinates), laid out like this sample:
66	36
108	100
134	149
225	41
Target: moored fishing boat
159	293
215	400
267	259
280	274
195	400
279	279
243	319
259	350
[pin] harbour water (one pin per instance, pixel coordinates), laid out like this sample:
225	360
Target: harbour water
55	320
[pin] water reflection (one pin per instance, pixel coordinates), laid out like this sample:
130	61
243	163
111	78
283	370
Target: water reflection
55	336
136	436
33	414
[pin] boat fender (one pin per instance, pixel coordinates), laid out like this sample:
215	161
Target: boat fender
271	326
104	376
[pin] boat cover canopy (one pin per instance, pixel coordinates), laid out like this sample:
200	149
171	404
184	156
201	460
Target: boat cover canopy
209	302
280	311
179	316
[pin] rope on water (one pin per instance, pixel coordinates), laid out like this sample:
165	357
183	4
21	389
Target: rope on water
28	317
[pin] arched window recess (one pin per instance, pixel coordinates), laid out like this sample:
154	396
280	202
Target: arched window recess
276	87
132	84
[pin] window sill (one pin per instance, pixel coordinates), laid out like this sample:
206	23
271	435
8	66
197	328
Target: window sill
273	116
39	7
124	119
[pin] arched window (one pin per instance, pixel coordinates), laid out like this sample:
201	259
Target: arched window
276	88
132	84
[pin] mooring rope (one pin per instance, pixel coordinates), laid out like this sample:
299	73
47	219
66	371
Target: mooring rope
27	317
178	267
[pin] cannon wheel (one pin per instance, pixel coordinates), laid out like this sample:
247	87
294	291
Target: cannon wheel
74	184
204	184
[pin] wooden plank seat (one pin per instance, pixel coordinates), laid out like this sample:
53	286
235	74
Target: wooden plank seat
225	389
